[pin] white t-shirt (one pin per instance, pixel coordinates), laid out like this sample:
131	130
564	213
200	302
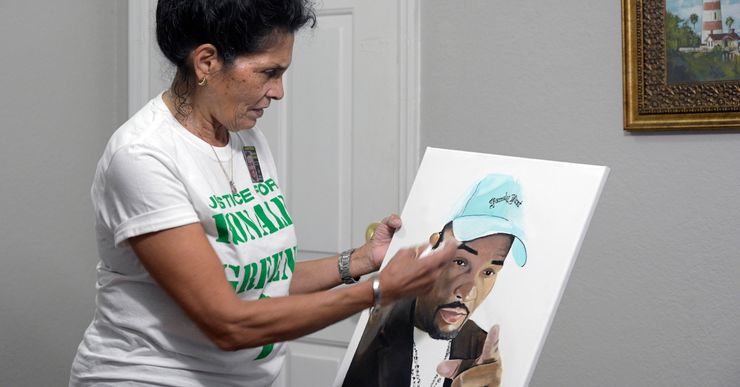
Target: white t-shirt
155	175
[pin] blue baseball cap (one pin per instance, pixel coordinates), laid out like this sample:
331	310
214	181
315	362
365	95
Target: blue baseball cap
495	206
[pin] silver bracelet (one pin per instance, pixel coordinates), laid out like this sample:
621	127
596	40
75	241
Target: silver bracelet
343	266
376	294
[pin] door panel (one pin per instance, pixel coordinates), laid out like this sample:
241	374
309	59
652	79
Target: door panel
321	140
337	150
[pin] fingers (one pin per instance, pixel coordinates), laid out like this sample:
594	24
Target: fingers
406	275
485	370
448	368
415	252
413	271
490	346
482	375
421	250
441	255
393	221
385	229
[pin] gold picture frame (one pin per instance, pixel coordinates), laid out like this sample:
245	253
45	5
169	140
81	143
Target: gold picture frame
651	103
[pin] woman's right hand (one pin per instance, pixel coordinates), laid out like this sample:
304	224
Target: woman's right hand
411	273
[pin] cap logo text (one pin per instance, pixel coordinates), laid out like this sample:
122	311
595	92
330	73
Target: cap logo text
508	199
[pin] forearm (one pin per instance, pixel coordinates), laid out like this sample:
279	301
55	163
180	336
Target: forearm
201	289
322	274
255	323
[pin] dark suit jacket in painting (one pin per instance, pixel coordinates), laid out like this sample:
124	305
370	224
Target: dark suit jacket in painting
384	354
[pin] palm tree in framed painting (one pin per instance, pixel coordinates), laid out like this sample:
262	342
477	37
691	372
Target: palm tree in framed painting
694	18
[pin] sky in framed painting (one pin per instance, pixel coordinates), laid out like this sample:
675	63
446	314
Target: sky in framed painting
701	42
684	8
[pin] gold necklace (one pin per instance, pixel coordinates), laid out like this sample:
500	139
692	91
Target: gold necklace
229	178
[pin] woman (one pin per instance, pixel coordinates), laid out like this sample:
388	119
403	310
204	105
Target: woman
198	281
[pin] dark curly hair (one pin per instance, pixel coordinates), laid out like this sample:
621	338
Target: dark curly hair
234	27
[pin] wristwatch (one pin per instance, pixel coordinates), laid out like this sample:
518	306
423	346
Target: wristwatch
343	264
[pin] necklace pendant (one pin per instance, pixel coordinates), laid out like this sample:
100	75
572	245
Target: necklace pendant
233	187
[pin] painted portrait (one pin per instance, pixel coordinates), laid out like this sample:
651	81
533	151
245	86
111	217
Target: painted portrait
517	224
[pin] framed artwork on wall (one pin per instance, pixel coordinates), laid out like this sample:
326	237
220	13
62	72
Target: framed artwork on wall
681	64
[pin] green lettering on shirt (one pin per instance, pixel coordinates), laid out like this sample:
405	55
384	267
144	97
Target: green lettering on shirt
250	274
290	261
251	226
236	270
264	221
237	232
279	202
221	228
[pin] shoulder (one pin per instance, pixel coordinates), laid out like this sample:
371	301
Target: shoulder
473	328
473	331
399	314
144	143
390	323
469	342
149	131
391	315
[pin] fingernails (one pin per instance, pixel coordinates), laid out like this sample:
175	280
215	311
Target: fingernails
448	368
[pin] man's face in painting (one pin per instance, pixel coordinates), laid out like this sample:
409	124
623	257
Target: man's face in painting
465	283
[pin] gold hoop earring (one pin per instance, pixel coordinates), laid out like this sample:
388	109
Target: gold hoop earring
203	82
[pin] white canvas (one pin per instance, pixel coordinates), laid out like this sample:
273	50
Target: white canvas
559	200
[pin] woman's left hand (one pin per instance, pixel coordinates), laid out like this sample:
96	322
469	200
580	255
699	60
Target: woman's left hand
377	246
321	274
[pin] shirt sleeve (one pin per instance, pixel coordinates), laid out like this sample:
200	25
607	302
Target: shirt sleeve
143	193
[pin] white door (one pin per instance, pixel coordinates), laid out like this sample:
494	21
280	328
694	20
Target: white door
343	160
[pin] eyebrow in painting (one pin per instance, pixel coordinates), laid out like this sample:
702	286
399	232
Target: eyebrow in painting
468	248
496	262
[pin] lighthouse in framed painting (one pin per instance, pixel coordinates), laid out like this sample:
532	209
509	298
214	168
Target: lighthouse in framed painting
712	19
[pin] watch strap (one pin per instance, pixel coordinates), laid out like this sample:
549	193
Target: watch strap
343	266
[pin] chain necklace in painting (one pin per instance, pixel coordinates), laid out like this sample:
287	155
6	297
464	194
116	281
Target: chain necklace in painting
416	377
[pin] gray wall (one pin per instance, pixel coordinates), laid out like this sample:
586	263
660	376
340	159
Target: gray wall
654	298
63	92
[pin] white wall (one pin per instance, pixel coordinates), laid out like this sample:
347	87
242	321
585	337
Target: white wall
62	93
654	299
